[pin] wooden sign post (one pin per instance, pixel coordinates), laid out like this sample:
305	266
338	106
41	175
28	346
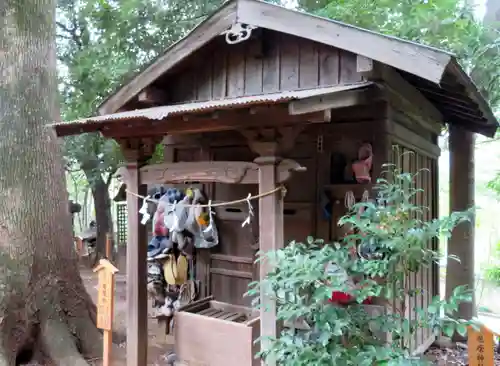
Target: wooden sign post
105	305
481	347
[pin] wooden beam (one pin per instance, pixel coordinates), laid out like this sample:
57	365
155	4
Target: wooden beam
152	96
425	62
332	101
271	239
229	172
137	301
364	64
461	243
224	121
400	93
412	140
212	27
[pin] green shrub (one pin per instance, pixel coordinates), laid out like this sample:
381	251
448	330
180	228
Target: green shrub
392	241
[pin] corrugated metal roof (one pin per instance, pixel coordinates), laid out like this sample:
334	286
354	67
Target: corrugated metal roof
159	113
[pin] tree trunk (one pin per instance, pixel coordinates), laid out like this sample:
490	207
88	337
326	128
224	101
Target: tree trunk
44	307
102	205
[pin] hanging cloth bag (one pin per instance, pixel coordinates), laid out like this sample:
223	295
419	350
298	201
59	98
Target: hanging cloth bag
209	236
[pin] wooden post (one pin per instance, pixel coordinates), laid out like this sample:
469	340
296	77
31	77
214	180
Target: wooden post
137	301
105	305
271	238
461	243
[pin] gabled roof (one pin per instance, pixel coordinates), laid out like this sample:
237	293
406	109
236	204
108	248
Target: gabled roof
426	67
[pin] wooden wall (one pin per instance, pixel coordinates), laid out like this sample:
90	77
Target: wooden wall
268	62
226	270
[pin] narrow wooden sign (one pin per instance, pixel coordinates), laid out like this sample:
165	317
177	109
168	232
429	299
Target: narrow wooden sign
105	305
481	347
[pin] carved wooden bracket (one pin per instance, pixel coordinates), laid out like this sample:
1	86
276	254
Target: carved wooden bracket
138	149
231	172
272	141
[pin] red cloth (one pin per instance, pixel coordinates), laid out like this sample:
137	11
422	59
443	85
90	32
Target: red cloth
344	298
159	228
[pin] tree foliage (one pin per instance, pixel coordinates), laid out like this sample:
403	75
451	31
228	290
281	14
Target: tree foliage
388	241
445	24
100	45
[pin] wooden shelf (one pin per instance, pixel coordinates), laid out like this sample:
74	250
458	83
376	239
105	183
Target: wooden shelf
339	191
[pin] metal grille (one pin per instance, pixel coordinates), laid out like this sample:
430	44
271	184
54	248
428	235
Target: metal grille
121	222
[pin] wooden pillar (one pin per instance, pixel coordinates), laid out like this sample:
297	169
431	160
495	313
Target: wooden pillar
461	243
137	311
271	237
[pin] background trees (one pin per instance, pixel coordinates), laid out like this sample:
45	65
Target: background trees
100	44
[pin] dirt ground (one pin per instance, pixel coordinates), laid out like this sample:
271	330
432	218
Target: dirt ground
159	345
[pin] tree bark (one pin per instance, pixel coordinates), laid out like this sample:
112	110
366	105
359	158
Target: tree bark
102	205
44	307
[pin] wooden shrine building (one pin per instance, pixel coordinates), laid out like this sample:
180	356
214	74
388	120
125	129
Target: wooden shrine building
256	93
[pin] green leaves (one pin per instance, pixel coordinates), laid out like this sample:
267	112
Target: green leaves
445	24
101	43
391	239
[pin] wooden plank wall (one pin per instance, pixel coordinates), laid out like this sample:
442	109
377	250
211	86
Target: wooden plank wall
412	162
268	62
226	270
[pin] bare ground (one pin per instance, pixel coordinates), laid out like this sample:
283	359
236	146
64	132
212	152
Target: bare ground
158	344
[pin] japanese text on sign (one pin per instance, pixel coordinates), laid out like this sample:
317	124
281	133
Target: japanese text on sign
481	347
104	300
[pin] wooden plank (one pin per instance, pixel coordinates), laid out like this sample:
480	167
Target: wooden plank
271	238
207	312
231	273
204	32
340	99
249	312
415	141
364	64
229	172
419	60
234	317
348	68
219	315
231	258
421	336
204	82
329	66
236	71
271	63
410	97
204	340
212	313
308	64
205	301
152	96
253	67
289	67
219	74
137	300
186	86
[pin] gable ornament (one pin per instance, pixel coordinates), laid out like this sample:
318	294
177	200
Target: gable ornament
238	32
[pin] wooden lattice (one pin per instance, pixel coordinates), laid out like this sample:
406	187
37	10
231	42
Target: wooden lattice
121	222
410	161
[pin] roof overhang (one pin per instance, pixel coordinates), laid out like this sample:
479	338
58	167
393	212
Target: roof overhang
423	63
426	62
311	105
